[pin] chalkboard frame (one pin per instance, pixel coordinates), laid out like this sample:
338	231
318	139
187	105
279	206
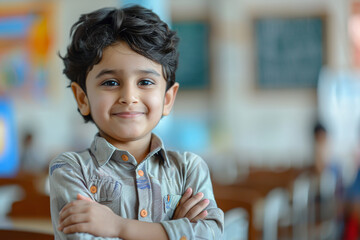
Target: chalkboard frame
287	19
193	74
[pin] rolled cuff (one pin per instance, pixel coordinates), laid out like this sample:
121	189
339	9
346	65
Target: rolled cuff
183	229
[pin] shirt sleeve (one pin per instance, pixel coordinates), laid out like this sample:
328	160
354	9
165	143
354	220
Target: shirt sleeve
66	181
197	177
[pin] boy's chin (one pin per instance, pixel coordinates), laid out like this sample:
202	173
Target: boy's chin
123	137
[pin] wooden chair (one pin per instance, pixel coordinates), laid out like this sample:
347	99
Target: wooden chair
277	214
328	208
236	224
15	234
247	192
303	204
229	197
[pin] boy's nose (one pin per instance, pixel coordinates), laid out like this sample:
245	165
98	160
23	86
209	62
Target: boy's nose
128	96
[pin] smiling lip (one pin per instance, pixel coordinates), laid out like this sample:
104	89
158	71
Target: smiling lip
128	114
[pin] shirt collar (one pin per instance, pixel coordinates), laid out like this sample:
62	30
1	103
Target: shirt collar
103	150
157	146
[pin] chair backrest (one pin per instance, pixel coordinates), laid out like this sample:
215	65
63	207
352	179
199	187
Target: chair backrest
276	208
15	234
236	224
327	189
304	192
8	195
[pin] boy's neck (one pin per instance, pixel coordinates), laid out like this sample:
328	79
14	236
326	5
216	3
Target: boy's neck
138	148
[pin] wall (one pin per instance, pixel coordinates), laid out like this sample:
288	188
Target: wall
56	125
264	127
260	127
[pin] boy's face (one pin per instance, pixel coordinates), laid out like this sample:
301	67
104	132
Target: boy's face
126	95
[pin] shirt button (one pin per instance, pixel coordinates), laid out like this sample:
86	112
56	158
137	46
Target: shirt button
143	213
141	173
183	238
93	189
124	157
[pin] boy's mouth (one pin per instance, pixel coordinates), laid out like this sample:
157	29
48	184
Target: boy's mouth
132	114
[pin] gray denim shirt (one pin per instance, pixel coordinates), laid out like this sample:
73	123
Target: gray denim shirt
148	191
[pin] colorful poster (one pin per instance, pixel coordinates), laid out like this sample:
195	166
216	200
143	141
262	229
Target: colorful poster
25	41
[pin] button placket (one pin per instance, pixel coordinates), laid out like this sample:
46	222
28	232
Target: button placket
144	193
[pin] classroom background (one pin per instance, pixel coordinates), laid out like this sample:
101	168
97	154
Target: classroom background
269	97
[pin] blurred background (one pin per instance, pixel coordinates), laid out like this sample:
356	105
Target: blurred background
269	97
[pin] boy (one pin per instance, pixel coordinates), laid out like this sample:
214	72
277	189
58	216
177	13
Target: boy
121	64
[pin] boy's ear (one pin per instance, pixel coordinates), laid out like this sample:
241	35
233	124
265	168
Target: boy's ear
169	100
81	99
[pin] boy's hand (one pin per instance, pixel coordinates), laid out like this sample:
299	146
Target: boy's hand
86	215
191	207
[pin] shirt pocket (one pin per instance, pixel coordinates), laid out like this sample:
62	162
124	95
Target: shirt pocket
170	201
105	190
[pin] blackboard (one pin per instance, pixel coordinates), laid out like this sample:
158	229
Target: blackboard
289	51
193	68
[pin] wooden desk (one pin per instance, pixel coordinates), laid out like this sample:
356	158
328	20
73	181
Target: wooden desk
264	180
15	234
29	218
36	204
41	225
26	228
247	193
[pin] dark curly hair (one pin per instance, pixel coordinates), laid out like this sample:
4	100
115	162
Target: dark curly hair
139	27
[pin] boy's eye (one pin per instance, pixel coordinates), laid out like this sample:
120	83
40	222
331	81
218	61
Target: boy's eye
146	82
110	83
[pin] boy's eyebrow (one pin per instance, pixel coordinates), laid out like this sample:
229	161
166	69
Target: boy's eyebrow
138	71
149	71
104	72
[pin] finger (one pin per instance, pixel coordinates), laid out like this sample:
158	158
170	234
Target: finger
197	209
81	197
67	206
184	198
76	202
202	216
73	219
66	209
70	205
184	209
79	227
75	207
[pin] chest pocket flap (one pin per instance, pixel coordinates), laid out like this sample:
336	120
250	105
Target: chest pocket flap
170	203
105	189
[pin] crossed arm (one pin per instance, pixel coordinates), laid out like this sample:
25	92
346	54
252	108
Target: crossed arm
86	215
85	219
